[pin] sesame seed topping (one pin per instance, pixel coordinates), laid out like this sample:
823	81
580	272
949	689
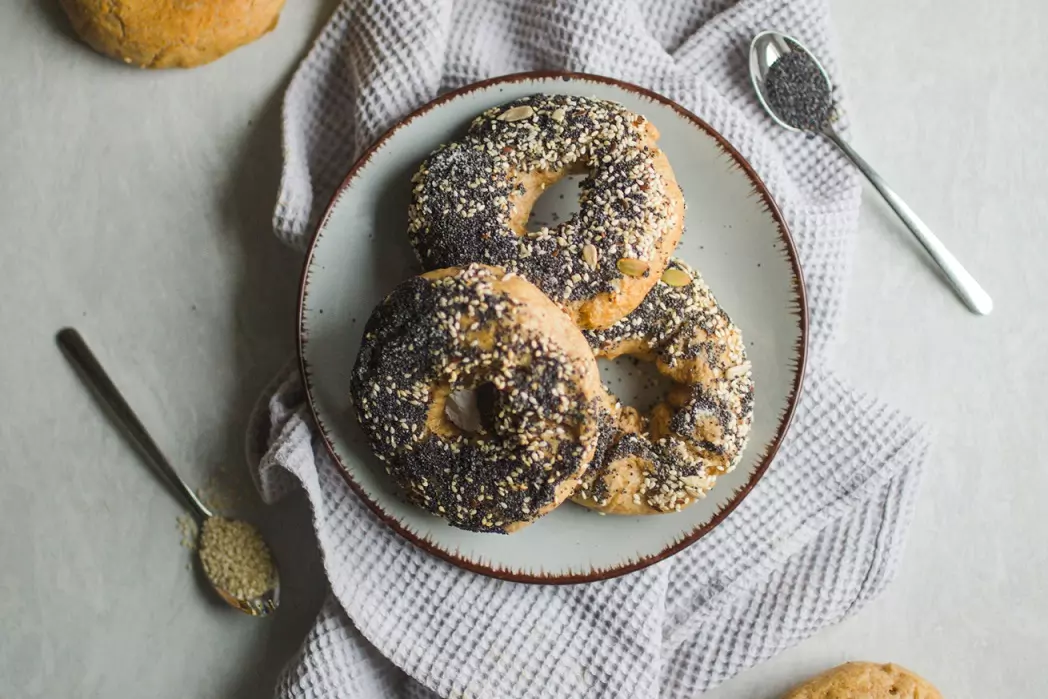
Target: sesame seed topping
702	433
435	336
467	195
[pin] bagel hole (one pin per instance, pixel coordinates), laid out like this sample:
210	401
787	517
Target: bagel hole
558	203
471	409
635	382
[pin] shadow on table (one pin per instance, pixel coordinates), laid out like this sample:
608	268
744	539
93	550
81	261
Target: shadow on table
263	345
880	210
52	14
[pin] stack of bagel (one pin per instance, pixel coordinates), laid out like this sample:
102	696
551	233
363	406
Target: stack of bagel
477	382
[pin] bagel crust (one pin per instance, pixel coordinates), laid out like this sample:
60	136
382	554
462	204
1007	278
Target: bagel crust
472	198
540	402
664	461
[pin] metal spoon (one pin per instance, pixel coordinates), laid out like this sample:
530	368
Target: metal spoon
766	48
80	356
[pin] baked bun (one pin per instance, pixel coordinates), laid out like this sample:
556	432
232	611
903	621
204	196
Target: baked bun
170	33
866	681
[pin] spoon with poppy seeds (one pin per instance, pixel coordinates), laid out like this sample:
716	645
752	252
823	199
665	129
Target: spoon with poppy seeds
795	90
233	555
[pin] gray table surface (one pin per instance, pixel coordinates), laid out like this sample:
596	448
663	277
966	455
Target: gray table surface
136	206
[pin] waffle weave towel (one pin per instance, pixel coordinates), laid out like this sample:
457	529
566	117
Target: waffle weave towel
818	537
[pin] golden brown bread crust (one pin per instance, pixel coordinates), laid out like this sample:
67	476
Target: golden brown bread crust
170	33
866	681
479	329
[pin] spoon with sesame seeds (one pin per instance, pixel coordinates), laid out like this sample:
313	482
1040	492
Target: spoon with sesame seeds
233	554
795	90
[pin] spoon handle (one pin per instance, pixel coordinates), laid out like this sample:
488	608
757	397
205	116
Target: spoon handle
80	356
964	285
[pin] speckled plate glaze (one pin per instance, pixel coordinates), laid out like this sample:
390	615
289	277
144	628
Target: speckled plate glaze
735	236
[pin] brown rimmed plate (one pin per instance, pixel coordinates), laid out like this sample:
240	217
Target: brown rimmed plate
735	236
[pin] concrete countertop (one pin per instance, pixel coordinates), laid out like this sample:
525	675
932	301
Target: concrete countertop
136	206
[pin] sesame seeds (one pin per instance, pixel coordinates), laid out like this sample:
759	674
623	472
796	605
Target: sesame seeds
187	527
236	558
444	333
467	195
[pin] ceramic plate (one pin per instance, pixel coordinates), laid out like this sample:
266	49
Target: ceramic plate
734	236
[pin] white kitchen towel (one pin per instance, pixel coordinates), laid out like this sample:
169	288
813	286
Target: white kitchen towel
816	539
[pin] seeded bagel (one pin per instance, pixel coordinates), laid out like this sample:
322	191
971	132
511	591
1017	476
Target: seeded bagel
664	461
538	402
472	198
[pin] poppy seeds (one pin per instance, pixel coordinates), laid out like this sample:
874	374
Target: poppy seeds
798	92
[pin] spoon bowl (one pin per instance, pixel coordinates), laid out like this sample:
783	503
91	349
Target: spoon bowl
260	605
765	49
83	360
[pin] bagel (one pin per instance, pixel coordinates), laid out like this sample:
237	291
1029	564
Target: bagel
664	461
534	400
471	200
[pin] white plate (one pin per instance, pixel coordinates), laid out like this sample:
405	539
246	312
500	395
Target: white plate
734	236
